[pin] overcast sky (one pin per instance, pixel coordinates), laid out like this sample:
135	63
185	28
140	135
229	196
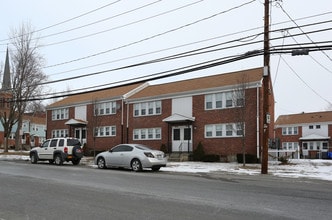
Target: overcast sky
79	37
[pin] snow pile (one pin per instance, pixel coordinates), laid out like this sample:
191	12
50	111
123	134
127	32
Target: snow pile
315	169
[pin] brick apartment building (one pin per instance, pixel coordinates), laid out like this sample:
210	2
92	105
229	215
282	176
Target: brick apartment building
178	115
305	135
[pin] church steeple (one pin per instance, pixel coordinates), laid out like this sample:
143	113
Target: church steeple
6	82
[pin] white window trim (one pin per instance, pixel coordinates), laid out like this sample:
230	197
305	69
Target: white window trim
60	133
63	114
101	108
143	134
142	109
213	128
102	131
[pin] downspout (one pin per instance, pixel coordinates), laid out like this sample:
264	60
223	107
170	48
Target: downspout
122	119
257	123
127	126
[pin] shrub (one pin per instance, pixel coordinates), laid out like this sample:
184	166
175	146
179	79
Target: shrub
163	148
284	159
250	158
211	158
199	153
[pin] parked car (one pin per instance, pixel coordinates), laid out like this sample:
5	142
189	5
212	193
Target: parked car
131	156
58	150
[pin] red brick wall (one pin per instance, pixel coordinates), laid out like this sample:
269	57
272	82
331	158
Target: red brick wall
155	121
225	145
103	143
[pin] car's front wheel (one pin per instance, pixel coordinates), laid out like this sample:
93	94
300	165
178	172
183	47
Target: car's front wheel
58	160
136	165
101	163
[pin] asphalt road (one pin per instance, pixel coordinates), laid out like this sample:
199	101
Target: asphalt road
43	191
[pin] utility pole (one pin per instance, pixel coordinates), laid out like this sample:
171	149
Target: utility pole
266	90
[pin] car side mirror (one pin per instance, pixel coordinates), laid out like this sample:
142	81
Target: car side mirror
111	151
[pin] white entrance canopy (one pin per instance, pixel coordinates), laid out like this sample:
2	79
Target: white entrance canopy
314	137
178	118
76	122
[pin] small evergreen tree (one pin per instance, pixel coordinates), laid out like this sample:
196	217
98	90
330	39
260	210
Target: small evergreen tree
199	153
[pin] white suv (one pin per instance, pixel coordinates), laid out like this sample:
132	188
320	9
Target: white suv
58	150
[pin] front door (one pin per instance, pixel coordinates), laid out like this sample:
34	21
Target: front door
80	134
181	139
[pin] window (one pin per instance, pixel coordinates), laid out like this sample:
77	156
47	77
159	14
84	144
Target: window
219	100
311	127
61	142
229	99
240	102
290	131
229	130
105	108
158	133
208	130
317	126
239	129
325	146
136	110
105	131
60	133
222	100
53	142
291	146
60	114
311	145
147	108
187	134
218	130
122	148
143	108
208	102
147	134
223	130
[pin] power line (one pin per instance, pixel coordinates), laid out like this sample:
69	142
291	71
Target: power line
164	74
153	36
102	20
298	76
65	21
192	43
301	29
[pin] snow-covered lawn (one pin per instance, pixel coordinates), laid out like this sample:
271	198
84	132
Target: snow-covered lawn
314	169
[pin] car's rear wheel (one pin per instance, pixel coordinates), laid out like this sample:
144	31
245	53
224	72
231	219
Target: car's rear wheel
34	158
76	161
101	163
58	160
136	165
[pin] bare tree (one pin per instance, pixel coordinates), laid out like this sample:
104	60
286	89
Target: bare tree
95	123
27	72
241	110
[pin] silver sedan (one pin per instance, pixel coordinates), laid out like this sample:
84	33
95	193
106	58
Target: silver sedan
131	156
